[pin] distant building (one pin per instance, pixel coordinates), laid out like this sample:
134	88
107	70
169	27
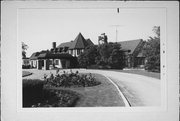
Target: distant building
134	53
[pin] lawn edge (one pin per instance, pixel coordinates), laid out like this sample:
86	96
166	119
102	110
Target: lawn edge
127	104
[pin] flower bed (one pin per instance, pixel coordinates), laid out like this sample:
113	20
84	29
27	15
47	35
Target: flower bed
36	95
71	80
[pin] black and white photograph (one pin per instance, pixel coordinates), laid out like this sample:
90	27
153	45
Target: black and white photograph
95	60
91	57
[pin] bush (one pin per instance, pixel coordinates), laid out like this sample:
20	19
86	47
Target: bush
35	95
26	66
32	91
72	79
58	98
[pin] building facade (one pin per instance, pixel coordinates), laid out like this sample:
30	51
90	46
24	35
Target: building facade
63	56
134	53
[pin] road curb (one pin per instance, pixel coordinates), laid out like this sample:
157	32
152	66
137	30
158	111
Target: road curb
120	93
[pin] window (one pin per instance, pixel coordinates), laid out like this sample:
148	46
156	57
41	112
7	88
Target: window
56	62
79	51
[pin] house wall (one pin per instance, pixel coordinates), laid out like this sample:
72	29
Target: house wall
47	64
76	52
33	63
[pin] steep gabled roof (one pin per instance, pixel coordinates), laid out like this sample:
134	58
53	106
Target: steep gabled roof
49	55
89	42
65	44
34	56
130	45
79	42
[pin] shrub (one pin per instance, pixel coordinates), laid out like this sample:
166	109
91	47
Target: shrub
35	95
58	98
26	66
72	79
32	91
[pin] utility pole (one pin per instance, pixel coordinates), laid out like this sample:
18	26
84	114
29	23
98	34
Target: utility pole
116	27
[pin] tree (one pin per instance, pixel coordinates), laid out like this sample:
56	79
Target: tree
151	51
24	48
87	58
108	55
104	52
117	57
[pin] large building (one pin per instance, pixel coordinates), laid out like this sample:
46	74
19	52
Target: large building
76	47
134	53
62	56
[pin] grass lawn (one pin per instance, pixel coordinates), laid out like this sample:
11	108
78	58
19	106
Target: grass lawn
103	95
141	72
26	73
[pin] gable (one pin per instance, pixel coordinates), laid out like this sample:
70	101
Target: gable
131	45
79	42
65	44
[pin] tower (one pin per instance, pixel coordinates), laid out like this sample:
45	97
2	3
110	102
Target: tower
102	39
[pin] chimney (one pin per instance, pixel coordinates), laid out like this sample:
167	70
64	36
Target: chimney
54	45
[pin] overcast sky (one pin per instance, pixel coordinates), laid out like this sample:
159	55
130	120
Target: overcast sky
38	28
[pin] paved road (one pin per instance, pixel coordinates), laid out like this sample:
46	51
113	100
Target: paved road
138	90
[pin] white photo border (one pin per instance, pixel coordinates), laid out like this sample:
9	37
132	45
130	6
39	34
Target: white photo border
126	112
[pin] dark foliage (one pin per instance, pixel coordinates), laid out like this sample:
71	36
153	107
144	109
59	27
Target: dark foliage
32	91
26	66
24	48
107	55
152	51
35	95
87	58
71	80
57	98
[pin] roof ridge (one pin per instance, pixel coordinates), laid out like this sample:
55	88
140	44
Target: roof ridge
130	40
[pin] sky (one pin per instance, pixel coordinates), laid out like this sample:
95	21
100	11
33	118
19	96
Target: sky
38	28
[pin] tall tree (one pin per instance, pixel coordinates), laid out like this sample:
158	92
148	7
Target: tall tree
88	56
24	48
152	51
117	57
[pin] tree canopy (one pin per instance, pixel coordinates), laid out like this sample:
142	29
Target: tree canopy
152	51
105	55
24	48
